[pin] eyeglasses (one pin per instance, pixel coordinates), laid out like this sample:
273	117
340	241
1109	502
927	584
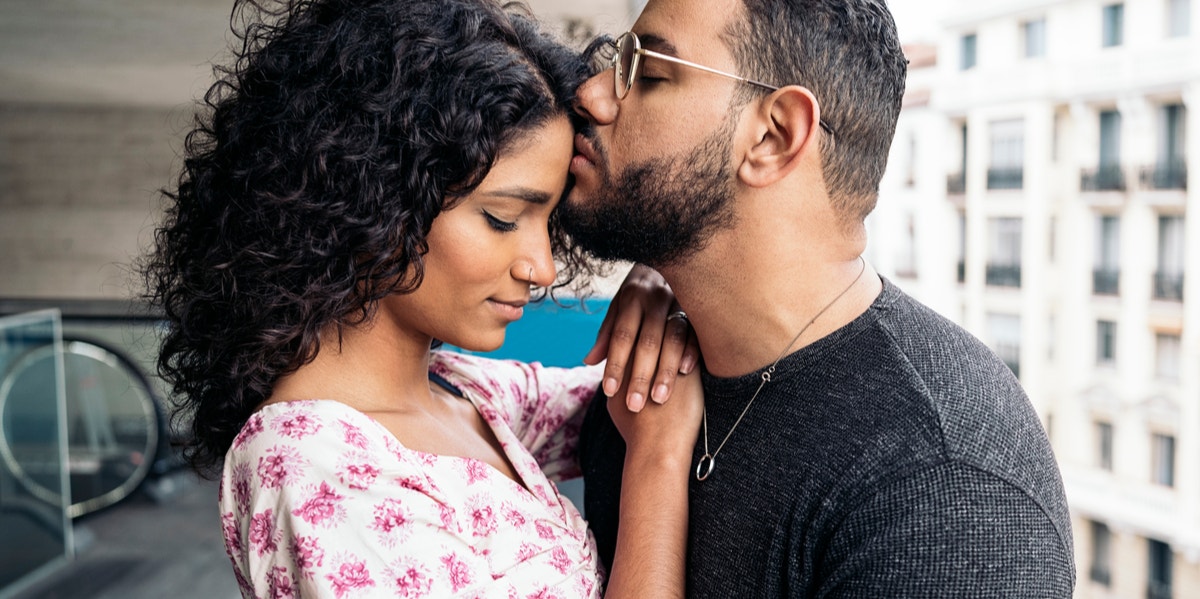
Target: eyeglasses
627	58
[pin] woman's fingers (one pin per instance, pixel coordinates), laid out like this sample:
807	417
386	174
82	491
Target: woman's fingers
678	355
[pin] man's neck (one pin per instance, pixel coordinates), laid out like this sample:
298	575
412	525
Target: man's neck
747	300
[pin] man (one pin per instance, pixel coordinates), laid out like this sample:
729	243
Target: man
855	444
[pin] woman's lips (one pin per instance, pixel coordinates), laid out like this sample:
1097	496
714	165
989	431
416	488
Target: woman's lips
509	310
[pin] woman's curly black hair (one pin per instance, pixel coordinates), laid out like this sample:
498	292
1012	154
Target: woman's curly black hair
315	167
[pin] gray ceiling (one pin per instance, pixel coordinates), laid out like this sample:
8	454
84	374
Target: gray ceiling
141	52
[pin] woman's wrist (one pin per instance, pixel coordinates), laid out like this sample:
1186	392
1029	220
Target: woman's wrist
657	458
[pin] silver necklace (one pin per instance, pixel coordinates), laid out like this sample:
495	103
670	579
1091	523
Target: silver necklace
708	461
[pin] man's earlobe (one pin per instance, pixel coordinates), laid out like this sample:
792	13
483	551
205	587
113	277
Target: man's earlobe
788	128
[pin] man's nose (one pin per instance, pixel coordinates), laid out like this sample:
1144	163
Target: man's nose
596	99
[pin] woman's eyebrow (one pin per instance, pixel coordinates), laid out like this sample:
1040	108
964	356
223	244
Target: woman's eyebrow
533	196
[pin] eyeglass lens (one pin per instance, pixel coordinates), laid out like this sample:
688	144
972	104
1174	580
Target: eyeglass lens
626	63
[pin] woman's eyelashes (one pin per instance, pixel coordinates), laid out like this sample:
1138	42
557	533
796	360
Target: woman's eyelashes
502	226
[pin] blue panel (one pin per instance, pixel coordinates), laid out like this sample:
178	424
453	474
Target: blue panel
552	334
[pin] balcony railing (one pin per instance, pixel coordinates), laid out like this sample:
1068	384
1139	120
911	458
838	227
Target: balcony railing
1170	175
1106	281
1004	275
1105	178
1168	286
1158	590
956	184
1005	178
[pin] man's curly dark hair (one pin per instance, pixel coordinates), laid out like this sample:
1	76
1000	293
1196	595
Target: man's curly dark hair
315	167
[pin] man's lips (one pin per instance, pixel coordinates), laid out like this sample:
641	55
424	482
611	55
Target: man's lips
583	147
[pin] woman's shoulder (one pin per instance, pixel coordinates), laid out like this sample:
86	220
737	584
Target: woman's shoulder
481	376
309	425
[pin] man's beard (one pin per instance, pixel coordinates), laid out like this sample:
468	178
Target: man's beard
658	212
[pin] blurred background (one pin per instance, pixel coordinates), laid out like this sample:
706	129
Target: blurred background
1037	193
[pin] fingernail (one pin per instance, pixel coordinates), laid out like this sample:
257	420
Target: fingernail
636	401
687	364
610	387
660	393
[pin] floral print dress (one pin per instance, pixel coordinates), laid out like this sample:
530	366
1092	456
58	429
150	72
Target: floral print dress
319	500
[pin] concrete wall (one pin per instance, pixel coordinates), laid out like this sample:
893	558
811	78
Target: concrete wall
95	98
78	195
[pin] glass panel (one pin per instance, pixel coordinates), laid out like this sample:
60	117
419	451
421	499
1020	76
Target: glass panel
1167	352
1114	25
1004	252
33	471
1101	541
1110	138
1035	38
1160	570
1179	18
968	51
1005	333
1171	138
1104	442
1170	244
1164	460
1106	342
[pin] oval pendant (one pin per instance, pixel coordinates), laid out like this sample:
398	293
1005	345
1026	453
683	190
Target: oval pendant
705	467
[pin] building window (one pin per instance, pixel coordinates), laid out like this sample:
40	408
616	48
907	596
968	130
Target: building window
1034	34
1170	167
1004	253
1052	242
1179	17
1005	332
1114	25
962	247
1106	343
910	178
1110	138
1163	460
1106	274
1166	356
1108	175
1168	279
1101	553
968	51
906	255
1159	585
1104	445
956	183
1051	337
1006	170
1056	135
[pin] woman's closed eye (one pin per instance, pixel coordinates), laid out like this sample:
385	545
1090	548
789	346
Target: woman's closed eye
502	226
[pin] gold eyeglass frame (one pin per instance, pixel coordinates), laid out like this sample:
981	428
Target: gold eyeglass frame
635	63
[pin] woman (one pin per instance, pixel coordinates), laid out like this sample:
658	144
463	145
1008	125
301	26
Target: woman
372	176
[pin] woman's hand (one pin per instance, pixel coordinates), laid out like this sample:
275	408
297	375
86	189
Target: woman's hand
666	432
645	350
652	532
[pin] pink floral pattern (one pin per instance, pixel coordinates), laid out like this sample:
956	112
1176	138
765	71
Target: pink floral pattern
319	500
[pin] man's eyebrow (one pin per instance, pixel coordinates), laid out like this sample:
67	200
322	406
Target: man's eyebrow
533	196
658	44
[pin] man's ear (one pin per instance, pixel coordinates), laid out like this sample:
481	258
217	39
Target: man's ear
787	129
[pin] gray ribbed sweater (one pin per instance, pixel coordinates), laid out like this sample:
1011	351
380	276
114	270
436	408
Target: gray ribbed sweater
896	457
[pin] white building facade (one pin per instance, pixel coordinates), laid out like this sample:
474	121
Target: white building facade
1039	194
